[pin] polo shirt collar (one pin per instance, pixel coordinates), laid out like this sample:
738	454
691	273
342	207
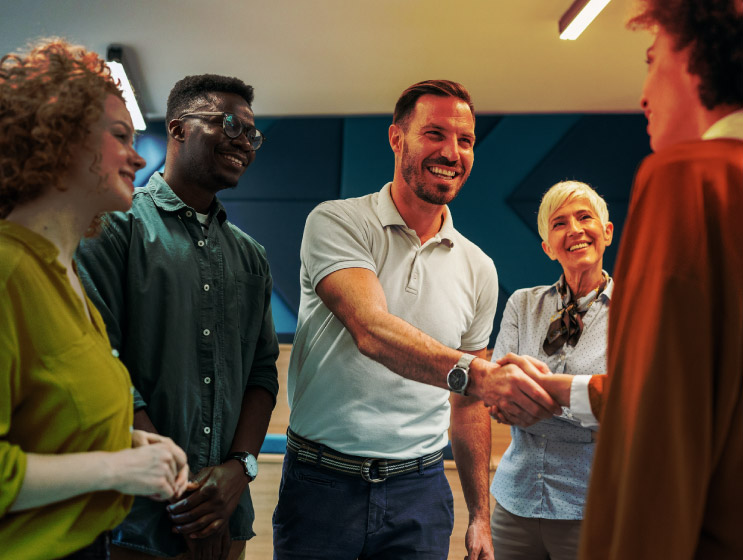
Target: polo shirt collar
38	244
389	216
167	200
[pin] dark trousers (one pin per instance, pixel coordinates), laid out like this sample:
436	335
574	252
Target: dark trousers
324	515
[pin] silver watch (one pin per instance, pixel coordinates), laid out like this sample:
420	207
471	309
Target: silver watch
249	463
458	377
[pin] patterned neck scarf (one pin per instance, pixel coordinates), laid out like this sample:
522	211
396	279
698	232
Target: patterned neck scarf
567	324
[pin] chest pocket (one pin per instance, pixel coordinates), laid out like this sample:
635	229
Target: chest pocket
250	300
96	383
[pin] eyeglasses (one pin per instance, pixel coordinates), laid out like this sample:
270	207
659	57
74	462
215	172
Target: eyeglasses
233	127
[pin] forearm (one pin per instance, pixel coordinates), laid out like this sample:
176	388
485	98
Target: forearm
257	407
54	478
406	350
471	447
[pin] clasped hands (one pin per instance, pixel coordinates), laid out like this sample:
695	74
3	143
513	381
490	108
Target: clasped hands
202	516
523	391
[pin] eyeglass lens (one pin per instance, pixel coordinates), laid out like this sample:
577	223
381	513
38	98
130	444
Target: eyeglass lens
233	127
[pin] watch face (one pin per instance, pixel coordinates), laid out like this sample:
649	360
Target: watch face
456	379
251	465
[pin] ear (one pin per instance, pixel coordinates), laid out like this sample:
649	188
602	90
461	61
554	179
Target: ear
396	134
548	251
608	233
175	130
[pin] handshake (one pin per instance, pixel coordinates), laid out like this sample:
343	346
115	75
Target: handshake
520	390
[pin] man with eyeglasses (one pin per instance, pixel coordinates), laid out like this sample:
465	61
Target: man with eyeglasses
186	297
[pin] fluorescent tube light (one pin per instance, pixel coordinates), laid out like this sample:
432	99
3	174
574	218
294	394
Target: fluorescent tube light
579	16
119	74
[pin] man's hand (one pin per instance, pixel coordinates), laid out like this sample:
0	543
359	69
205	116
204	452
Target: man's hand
216	493
520	400
214	547
478	540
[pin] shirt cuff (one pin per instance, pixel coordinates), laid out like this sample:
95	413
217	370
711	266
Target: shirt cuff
580	404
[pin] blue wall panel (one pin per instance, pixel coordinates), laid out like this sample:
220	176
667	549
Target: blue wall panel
308	160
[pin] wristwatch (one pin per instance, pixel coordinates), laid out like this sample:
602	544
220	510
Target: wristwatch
249	463
458	376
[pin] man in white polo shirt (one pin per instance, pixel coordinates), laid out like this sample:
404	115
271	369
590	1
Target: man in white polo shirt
396	309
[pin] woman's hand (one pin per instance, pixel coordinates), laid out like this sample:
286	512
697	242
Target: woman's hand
155	466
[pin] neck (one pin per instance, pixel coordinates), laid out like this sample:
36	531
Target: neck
423	217
58	217
191	193
583	282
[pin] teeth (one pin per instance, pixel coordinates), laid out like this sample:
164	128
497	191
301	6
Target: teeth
578	246
233	159
444	172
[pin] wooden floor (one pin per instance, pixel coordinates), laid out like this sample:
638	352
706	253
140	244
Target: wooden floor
265	489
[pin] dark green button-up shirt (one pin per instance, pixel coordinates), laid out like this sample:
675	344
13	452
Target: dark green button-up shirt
191	318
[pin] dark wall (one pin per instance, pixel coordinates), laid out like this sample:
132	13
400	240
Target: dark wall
307	160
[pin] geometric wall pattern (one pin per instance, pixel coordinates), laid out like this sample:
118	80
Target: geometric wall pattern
307	160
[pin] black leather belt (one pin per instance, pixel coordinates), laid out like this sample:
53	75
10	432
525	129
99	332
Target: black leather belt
310	452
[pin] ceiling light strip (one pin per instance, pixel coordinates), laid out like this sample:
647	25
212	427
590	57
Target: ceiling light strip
579	16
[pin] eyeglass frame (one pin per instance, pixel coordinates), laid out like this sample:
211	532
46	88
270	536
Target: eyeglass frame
244	127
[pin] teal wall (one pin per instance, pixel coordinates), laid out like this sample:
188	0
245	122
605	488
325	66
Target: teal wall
307	160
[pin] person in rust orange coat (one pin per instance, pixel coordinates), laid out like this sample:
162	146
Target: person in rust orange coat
666	480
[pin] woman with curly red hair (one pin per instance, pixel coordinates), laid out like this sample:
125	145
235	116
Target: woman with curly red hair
68	456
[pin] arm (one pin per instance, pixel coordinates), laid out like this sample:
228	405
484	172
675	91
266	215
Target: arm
471	446
155	468
356	298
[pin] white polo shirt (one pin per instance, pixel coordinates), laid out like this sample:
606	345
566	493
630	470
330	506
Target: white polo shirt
447	288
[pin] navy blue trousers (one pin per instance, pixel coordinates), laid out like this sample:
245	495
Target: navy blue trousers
324	515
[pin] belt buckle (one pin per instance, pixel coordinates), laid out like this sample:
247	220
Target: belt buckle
366	466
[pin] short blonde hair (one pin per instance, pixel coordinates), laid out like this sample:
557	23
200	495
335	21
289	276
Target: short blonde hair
559	194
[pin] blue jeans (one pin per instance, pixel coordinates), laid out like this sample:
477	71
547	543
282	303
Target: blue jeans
324	515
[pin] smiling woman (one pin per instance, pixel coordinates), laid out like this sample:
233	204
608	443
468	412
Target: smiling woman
541	482
67	452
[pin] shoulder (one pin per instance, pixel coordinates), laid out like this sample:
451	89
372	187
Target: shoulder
689	161
529	296
14	260
346	209
246	242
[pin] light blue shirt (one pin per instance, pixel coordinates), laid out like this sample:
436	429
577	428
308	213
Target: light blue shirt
544	472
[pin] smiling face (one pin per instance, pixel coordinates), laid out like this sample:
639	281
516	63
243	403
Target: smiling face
105	167
670	96
577	239
208	157
434	148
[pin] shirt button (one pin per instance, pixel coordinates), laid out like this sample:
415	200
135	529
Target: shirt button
200	243
189	213
207	380
207	430
114	352
206	287
539	475
206	332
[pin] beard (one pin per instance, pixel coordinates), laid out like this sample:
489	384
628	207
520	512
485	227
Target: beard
424	184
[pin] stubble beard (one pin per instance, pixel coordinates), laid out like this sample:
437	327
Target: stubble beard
439	194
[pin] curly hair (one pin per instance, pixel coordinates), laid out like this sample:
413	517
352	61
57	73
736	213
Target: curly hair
714	31
50	97
193	89
440	88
